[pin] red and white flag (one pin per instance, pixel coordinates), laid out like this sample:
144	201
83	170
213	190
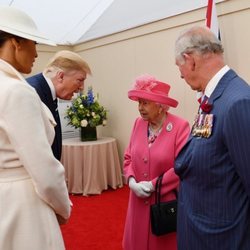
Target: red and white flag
211	18
211	23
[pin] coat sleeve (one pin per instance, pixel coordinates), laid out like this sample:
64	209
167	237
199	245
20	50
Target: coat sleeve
237	139
127	163
26	129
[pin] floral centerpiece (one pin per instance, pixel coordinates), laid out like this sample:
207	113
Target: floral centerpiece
86	113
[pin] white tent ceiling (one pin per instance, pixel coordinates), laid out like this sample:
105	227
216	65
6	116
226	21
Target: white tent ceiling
75	21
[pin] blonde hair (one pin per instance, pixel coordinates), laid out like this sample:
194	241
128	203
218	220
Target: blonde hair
66	61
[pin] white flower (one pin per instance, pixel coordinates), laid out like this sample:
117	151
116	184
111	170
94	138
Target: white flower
84	123
85	110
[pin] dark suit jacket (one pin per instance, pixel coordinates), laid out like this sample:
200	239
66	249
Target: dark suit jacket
214	199
43	90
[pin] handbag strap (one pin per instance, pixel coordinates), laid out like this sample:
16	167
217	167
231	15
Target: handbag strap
158	190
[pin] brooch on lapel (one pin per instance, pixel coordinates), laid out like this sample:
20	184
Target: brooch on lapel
169	126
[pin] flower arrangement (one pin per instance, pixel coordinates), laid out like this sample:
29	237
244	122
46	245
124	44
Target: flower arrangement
85	110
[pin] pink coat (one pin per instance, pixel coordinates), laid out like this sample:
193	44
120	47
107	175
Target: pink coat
146	164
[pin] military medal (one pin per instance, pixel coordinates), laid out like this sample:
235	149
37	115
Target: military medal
202	126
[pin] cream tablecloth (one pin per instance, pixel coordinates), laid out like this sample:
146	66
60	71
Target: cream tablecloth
92	166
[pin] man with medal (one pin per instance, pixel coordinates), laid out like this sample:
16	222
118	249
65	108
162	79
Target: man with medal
214	165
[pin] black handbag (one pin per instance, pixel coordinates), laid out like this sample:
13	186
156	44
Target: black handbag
163	214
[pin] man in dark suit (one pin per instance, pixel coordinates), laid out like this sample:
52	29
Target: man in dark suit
214	165
62	77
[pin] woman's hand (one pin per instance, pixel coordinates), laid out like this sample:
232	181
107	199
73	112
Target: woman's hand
149	185
141	189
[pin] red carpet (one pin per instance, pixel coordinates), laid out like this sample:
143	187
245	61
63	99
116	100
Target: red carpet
97	222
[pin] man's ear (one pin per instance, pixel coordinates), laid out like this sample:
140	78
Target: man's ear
190	60
60	76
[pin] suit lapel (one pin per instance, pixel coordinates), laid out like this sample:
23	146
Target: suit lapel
52	105
48	99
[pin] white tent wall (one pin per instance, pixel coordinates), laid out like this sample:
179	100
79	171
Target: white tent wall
117	59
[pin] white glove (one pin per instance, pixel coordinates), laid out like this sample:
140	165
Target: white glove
149	185
140	189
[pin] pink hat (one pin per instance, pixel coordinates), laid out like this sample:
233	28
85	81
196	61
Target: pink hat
148	88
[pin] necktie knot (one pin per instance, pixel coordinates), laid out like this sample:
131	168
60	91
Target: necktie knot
205	105
202	99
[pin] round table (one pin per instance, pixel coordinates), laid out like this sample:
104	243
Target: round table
91	166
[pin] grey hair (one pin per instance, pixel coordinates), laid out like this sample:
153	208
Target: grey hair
198	39
164	107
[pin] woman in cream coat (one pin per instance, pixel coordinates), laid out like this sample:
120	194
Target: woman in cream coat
33	193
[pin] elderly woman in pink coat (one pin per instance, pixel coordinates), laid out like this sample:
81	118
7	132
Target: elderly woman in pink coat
156	139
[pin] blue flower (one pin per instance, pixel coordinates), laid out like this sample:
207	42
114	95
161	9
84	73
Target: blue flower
85	110
90	96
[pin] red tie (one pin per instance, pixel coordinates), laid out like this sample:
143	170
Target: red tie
202	99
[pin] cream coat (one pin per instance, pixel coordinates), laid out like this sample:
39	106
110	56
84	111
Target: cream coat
146	164
32	182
